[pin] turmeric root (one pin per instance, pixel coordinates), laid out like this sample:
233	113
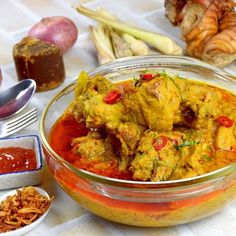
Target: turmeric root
208	28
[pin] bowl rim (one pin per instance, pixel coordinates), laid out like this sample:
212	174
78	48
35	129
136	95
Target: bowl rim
216	175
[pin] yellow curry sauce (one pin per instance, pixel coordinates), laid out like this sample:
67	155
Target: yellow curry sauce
153	128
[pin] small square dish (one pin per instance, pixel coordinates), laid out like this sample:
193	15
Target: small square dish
20	178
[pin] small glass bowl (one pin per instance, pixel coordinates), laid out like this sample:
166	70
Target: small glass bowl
149	204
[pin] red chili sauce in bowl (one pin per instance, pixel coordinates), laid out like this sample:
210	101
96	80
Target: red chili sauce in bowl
15	159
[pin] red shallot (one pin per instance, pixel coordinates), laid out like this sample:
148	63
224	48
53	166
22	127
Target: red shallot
58	30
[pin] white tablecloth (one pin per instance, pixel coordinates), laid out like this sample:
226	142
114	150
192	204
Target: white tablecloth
67	217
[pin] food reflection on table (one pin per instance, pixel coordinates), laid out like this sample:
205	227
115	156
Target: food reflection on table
153	127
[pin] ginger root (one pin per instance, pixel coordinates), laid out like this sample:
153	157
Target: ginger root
207	26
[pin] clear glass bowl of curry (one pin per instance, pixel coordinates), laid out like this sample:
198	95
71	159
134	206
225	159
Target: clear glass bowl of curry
195	178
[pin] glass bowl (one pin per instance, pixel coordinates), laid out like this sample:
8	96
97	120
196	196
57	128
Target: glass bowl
149	204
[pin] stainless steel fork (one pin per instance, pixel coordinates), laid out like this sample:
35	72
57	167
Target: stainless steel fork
14	125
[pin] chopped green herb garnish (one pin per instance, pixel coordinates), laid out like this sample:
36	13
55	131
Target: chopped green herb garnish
177	86
179	77
185	144
137	81
165	75
205	157
145	71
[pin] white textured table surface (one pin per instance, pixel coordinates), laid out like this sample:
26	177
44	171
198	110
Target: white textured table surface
67	217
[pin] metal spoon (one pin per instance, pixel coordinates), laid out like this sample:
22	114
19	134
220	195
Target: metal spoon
14	99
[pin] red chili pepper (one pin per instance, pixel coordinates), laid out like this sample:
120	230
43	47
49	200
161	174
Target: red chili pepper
147	77
174	141
159	142
225	121
112	97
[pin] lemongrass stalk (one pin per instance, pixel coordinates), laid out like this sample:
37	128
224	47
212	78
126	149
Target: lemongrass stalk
101	39
137	46
102	12
120	46
160	42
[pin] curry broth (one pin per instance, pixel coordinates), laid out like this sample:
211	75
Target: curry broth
61	136
153	129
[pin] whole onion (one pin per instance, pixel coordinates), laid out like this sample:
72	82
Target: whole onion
58	30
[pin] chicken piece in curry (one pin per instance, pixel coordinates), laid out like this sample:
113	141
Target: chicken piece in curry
156	127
